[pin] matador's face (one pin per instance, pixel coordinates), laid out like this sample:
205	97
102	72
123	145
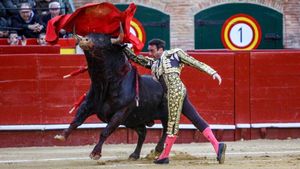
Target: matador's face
154	52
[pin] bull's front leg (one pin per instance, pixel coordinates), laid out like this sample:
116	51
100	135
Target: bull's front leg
160	145
141	131
112	125
84	111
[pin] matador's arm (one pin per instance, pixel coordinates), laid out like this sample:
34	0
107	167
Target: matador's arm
189	60
139	59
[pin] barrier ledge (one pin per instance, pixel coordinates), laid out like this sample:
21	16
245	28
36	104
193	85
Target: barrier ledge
63	42
67	42
101	125
29	41
255	50
155	126
5	49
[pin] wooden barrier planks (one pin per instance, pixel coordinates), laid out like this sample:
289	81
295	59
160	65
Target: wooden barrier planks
275	86
259	95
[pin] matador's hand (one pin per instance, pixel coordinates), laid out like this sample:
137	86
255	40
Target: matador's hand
218	77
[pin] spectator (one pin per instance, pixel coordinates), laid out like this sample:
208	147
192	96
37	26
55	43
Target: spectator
2	10
54	10
29	24
3	28
3	21
12	5
14	39
66	6
41	40
42	7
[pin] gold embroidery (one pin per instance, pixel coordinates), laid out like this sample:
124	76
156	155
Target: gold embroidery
176	92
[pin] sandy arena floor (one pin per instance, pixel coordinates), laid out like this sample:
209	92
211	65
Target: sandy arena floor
262	154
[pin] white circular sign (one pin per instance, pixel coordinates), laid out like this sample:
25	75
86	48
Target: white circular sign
241	35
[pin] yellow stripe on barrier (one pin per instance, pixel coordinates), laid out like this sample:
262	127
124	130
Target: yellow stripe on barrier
66	51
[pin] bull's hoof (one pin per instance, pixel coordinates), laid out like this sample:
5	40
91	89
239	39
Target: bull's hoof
95	156
134	157
60	138
153	155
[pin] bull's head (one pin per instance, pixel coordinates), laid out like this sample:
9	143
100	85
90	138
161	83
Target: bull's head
98	40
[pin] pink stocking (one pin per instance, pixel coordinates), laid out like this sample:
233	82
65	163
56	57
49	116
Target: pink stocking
169	143
209	135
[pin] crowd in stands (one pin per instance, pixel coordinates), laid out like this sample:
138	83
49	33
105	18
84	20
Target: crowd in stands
22	19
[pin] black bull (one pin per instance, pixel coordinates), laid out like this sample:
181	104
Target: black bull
112	95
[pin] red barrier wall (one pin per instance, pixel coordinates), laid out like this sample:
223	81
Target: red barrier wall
29	41
259	93
215	103
67	42
63	42
29	49
63	46
275	87
36	82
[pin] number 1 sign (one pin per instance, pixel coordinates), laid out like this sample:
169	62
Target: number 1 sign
241	32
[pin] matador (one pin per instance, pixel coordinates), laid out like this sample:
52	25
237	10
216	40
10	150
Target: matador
166	66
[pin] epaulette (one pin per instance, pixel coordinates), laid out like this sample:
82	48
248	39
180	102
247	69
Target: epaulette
172	51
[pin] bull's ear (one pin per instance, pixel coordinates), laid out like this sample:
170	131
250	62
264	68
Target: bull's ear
120	38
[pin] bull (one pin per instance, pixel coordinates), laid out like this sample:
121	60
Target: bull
112	96
118	95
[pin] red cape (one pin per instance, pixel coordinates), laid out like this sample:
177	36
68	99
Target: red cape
95	18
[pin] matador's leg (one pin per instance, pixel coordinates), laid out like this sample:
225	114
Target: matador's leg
175	96
190	112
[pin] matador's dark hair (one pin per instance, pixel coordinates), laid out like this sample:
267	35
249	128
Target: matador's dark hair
158	43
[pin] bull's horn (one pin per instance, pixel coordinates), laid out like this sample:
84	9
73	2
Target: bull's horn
77	37
120	37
